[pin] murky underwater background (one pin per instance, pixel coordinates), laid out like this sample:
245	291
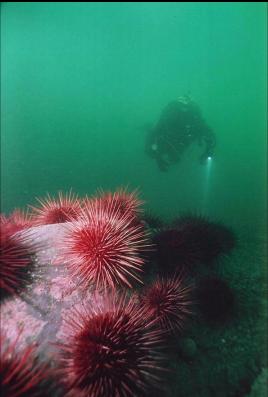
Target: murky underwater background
79	83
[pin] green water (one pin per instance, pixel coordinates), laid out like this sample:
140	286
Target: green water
80	80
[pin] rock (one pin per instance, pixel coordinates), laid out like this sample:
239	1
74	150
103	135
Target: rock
187	348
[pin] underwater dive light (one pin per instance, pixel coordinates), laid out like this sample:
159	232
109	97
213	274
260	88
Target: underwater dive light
207	184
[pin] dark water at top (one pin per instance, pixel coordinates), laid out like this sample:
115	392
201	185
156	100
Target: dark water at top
80	80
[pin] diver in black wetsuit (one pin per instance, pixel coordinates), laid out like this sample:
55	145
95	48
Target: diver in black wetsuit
180	125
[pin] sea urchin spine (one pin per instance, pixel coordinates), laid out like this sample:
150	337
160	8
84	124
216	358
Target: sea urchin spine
20	373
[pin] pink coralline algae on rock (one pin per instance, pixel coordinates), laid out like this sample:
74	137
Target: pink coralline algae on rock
37	312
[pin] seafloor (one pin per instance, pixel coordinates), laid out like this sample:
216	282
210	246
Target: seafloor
230	359
226	359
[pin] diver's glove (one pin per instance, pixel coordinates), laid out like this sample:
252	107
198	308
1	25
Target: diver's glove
210	143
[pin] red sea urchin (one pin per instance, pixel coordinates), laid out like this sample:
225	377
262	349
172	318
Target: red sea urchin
168	301
126	202
111	350
20	373
62	209
103	247
18	220
15	259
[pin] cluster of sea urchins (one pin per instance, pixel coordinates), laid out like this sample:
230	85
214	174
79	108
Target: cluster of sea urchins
110	343
102	246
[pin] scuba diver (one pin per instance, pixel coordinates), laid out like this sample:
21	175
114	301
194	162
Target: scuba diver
180	124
